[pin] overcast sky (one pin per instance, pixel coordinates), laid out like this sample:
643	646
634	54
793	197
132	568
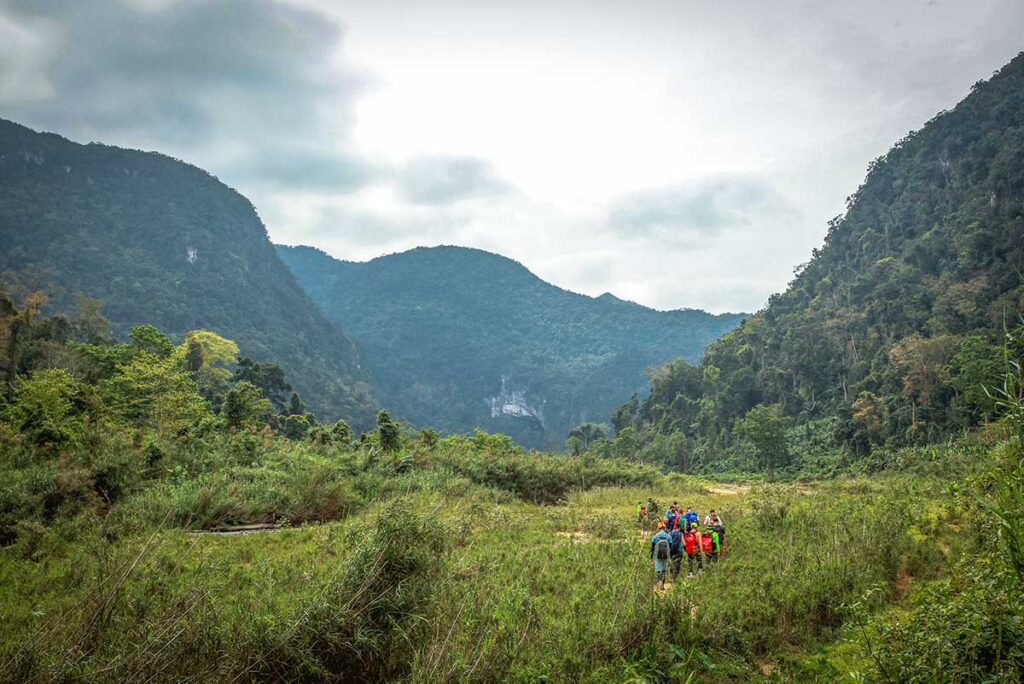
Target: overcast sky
683	153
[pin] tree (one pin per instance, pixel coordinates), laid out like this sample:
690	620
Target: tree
625	444
341	433
587	434
922	361
44	406
244	406
388	431
625	416
149	338
429	437
15	327
208	351
156	392
295	427
765	427
295	406
269	377
871	414
207	357
90	324
977	364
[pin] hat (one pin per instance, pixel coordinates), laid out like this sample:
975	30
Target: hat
661	526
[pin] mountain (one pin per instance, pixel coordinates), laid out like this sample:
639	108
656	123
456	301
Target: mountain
160	241
459	338
895	326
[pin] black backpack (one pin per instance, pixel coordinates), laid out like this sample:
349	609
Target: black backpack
661	550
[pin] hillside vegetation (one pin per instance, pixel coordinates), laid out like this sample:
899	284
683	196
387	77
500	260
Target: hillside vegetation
403	556
459	339
893	329
161	242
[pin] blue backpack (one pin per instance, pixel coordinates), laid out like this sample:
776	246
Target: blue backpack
677	541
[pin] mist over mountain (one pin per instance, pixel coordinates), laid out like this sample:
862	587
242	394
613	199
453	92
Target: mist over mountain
159	241
459	338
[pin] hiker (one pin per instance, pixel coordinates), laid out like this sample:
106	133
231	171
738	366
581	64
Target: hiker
676	550
691	544
711	517
641	512
707	546
690	517
717	526
661	553
671	518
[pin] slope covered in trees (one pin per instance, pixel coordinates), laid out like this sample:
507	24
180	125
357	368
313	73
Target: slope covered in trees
160	241
894	329
459	338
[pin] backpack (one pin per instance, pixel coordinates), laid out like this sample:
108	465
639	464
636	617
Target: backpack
691	543
661	549
706	545
677	541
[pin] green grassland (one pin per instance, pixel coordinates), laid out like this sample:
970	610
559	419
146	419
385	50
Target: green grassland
447	566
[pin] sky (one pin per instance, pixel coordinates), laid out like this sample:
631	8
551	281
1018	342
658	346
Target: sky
677	153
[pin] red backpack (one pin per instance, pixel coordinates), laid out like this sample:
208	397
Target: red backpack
707	545
691	543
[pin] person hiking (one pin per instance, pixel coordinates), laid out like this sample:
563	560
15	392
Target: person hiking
691	544
676	550
671	519
711	517
661	553
707	546
717	526
653	516
641	512
690	517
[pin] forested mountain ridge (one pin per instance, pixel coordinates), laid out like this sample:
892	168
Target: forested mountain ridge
459	338
159	241
894	327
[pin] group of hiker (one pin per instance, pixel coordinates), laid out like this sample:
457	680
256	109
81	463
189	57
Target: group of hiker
678	534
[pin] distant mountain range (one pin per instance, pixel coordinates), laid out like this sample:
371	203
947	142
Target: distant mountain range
160	241
458	338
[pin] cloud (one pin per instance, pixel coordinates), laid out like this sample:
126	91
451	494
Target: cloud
249	89
437	180
698	209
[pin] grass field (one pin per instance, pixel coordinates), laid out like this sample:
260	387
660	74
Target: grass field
441	579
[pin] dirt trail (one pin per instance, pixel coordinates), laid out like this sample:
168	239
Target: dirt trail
725	489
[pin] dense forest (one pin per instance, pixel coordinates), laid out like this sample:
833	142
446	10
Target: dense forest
161	242
459	338
893	330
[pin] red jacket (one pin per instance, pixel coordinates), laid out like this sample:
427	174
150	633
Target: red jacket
707	544
690	540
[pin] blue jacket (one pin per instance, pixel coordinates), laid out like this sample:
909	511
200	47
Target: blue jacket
659	565
691	517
